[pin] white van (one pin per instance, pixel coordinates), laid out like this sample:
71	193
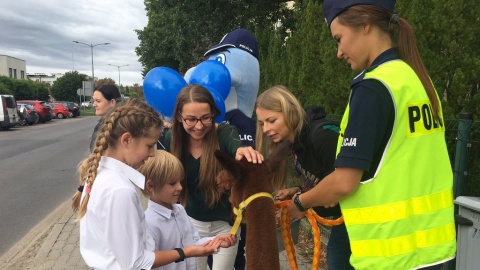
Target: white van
8	112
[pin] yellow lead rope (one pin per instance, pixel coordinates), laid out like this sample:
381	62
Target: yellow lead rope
312	218
241	207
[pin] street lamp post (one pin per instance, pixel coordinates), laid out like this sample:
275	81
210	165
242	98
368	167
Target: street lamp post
118	72
91	49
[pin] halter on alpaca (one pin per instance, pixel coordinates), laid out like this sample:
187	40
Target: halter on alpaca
245	179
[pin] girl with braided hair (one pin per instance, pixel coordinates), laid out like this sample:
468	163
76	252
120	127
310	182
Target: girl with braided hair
112	223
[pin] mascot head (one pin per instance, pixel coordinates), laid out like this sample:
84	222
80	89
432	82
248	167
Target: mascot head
238	51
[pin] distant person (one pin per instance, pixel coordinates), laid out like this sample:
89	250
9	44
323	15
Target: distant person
393	177
104	98
167	221
112	222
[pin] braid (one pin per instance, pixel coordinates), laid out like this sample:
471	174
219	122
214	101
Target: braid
133	116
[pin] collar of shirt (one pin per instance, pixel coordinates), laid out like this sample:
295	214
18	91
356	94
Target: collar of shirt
133	175
162	210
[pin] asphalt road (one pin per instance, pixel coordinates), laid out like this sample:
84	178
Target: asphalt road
38	172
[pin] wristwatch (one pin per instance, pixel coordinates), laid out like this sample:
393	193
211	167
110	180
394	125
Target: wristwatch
299	204
181	253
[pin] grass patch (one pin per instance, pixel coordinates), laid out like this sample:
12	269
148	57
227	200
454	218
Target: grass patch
87	112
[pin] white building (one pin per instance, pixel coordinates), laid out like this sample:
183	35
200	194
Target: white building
13	67
44	78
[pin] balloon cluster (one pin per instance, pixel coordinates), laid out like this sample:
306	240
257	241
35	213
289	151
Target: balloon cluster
162	85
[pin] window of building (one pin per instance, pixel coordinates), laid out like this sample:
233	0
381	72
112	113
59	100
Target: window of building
15	73
10	73
22	74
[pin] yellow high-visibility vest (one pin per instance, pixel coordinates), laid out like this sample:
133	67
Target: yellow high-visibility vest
402	218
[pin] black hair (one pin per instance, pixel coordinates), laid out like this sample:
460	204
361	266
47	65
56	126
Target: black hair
109	92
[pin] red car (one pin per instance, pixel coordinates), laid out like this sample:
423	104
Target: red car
59	109
41	107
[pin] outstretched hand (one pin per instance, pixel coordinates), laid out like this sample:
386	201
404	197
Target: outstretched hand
224	240
250	154
200	250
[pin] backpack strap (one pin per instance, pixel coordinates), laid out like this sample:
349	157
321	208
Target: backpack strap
322	124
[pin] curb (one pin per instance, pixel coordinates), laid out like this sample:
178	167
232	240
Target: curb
27	247
53	235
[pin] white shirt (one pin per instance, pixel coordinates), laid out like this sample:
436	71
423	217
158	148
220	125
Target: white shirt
172	229
113	230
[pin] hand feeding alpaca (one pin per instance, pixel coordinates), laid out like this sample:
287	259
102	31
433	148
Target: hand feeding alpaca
251	188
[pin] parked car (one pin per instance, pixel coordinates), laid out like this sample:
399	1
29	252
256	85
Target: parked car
44	111
8	112
72	107
87	104
50	108
28	114
59	109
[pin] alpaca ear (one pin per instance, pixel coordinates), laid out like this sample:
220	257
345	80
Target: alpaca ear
229	164
278	154
224	180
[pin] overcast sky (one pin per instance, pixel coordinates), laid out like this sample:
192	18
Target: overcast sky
42	33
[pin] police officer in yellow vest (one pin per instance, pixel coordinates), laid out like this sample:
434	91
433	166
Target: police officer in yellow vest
393	177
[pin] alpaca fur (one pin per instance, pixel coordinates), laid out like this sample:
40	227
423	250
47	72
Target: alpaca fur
244	179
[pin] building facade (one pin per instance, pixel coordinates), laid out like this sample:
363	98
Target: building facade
13	67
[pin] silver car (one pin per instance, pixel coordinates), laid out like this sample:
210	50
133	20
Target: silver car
28	115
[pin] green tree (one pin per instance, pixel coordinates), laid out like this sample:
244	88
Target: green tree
450	48
272	49
8	83
23	89
104	81
179	32
41	90
4	89
300	53
65	87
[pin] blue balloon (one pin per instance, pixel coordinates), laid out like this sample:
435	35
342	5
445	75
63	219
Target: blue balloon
219	102
213	74
161	87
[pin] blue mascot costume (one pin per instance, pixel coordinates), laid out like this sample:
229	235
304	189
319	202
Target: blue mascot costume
238	51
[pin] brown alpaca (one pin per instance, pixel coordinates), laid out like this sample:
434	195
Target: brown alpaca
245	179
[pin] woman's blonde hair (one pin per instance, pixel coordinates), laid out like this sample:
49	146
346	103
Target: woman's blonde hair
179	145
133	116
161	169
279	99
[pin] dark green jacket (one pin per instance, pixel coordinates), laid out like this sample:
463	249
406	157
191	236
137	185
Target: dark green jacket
196	207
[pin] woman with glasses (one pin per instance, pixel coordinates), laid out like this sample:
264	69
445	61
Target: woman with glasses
193	139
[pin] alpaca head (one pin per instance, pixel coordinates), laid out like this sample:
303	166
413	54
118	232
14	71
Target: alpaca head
244	178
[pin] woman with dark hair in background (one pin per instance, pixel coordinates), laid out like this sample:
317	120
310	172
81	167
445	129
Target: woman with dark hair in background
104	98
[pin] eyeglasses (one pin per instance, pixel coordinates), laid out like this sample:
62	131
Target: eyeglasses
192	121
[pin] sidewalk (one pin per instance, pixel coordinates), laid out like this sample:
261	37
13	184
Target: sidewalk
55	245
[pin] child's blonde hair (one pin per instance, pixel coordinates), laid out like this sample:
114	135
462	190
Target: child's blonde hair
161	169
133	116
